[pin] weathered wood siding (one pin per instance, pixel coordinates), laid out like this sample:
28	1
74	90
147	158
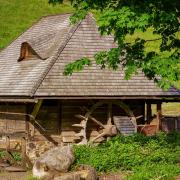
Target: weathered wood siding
47	124
56	117
12	125
11	122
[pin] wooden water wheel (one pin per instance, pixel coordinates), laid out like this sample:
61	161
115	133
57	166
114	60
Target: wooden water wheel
108	129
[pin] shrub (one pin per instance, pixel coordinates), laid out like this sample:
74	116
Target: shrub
146	157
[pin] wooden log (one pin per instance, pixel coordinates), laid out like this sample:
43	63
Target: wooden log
80	134
159	115
96	121
7	143
36	108
23	151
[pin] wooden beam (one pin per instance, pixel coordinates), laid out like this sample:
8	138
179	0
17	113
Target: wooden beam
36	108
159	115
34	113
27	122
19	100
150	98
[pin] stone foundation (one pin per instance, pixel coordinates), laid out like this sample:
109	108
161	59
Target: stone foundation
35	149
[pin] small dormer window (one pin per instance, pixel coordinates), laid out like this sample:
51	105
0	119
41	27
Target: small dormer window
26	52
41	47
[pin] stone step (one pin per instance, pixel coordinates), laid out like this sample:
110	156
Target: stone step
14	169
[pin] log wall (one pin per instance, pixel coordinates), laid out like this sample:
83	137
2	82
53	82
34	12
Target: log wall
55	118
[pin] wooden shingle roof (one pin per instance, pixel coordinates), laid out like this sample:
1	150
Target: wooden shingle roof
22	78
57	44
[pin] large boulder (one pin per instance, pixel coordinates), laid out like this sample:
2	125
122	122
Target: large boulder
55	161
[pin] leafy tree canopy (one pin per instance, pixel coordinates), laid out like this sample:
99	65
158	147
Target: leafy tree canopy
125	17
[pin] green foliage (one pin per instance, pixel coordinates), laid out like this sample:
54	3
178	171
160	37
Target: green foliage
2	154
147	157
17	156
31	177
77	66
126	17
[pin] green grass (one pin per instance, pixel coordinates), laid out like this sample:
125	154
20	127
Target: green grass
168	109
156	157
18	15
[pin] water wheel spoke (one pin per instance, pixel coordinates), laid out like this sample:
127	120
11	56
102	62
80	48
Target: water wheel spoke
96	121
99	136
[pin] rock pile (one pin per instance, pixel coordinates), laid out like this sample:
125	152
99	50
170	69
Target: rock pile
55	163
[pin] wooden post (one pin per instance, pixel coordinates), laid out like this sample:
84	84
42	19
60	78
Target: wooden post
159	114
59	109
27	123
35	113
7	143
148	113
143	110
176	123
36	108
109	115
23	151
25	159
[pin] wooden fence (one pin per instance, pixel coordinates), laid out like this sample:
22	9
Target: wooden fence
170	123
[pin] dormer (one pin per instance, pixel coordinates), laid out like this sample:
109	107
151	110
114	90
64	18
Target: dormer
43	46
27	52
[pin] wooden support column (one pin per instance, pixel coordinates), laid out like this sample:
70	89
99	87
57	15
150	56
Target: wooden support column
35	113
36	108
59	109
159	114
7	143
109	115
23	151
148	113
27	122
143	110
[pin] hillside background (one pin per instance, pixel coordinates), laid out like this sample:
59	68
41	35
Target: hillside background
18	15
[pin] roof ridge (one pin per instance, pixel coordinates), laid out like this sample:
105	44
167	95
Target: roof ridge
54	59
31	26
51	15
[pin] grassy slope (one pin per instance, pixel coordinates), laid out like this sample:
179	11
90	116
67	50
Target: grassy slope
17	15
